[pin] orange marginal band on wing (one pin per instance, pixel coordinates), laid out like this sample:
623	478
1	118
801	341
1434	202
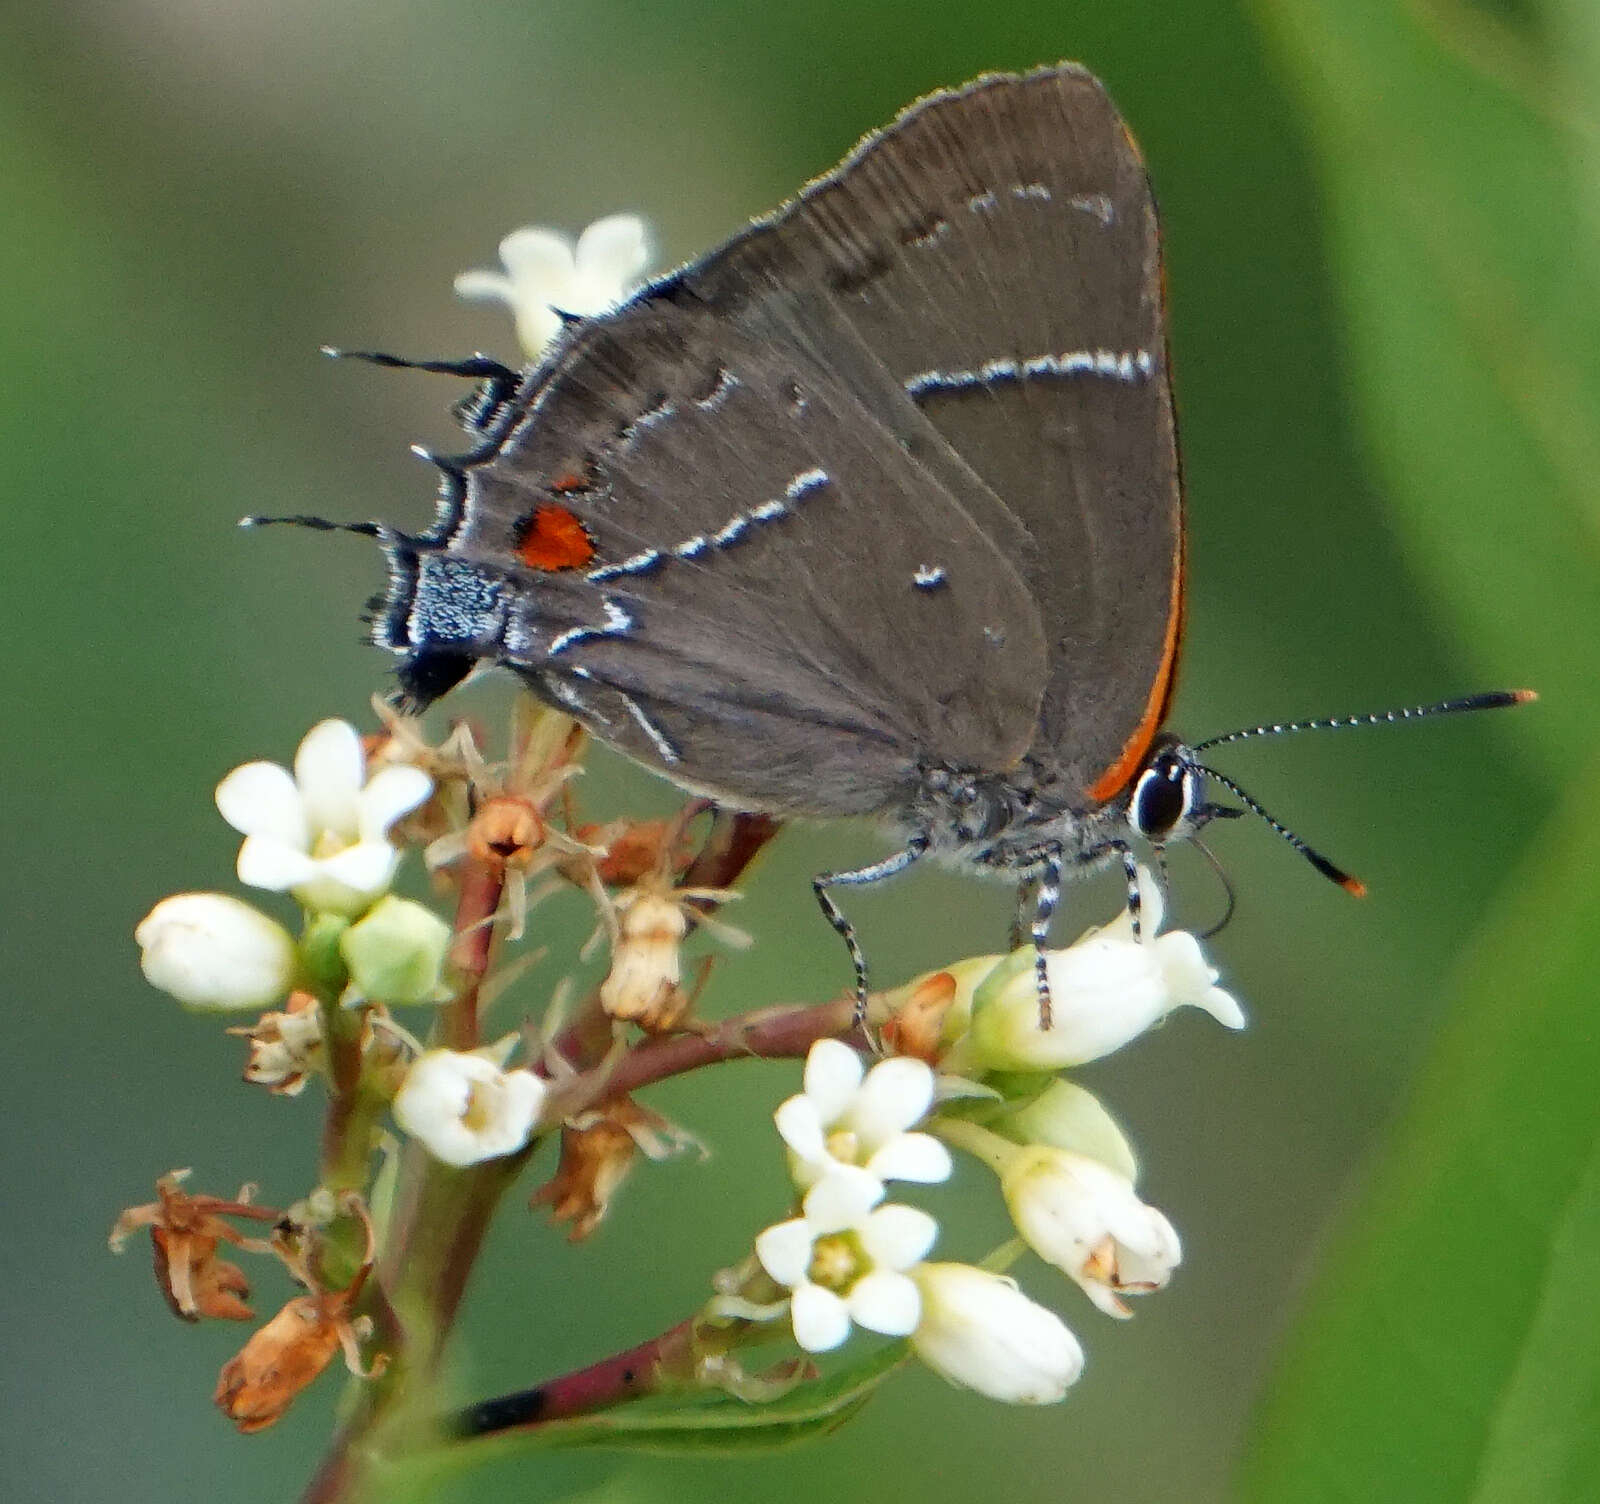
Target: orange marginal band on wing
1131	758
554	539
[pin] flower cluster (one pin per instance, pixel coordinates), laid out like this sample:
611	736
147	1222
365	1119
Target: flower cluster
1065	1170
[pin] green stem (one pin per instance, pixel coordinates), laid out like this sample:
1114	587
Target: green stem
974	1139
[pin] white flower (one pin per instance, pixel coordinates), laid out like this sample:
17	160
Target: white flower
546	275
466	1108
980	1331
844	1260
1089	1222
396	951
1105	990
321	834
843	1118
212	951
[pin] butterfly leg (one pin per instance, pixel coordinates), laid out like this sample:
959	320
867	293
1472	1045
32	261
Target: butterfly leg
1130	868
1018	934
1046	895
846	931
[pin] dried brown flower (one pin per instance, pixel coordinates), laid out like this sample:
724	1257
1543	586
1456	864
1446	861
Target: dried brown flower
185	1234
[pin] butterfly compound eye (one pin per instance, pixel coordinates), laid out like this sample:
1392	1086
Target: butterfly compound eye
1165	795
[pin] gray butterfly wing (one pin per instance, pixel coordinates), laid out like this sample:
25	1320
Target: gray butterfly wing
771	598
996	251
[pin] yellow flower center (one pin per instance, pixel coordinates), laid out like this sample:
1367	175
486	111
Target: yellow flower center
843	1145
837	1261
480	1108
329	843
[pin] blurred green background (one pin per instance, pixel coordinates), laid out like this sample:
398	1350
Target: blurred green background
1381	227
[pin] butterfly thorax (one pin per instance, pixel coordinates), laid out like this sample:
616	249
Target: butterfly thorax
1011	821
1006	821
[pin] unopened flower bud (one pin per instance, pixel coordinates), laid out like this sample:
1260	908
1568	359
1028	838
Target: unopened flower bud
212	951
396	952
980	1331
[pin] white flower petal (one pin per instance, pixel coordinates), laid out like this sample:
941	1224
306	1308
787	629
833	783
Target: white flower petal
832	1075
484	287
1224	1007
842	1199
1106	1298
821	1320
614	252
538	325
268	863
540	261
897	1237
785	1250
885	1302
260	799
349	880
329	767
800	1128
520	1097
918	1157
895	1094
391	792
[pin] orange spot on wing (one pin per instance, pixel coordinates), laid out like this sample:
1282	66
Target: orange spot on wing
554	539
1131	758
569	480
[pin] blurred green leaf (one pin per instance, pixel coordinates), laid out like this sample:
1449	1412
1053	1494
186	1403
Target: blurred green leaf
1470	274
1451	1350
1452	1347
714	1425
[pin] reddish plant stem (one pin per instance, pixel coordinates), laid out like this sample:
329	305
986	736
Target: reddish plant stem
481	887
623	1376
784	1032
336	1474
734	841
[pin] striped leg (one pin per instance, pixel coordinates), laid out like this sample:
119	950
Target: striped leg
1047	894
877	872
1130	869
